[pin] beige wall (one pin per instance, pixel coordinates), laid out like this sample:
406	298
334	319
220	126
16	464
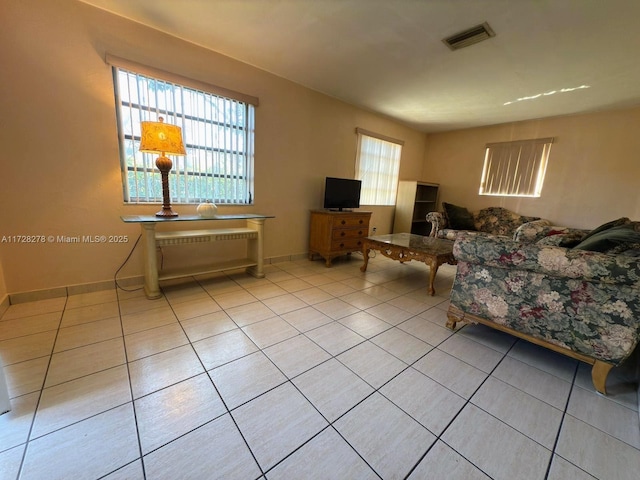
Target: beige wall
3	285
593	173
60	165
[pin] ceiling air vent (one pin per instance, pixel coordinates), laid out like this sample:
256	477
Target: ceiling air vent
469	37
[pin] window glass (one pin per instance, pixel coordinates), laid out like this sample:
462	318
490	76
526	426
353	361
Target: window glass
515	168
217	132
377	165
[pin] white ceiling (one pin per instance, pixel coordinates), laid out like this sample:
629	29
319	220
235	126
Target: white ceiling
387	55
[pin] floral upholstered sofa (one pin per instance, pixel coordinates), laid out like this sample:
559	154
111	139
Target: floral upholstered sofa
582	301
491	220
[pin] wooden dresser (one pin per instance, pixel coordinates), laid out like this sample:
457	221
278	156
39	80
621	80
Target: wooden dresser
337	233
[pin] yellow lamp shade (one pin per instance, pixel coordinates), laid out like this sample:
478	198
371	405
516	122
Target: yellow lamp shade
161	137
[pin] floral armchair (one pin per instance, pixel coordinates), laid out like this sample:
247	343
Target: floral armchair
585	304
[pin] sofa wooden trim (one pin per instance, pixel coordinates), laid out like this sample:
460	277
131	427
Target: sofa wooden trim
599	371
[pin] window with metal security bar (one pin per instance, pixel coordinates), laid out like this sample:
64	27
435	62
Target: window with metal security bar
377	166
218	133
515	168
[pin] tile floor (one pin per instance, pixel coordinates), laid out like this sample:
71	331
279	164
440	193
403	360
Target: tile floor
308	373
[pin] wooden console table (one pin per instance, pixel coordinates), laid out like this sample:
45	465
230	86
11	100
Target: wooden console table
152	240
405	247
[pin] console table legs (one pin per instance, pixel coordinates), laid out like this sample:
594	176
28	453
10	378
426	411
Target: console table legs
255	248
254	263
151	286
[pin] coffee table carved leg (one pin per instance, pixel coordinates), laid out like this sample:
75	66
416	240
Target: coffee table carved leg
365	255
433	269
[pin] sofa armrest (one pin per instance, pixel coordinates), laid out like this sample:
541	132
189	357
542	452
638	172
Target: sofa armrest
531	232
438	222
583	265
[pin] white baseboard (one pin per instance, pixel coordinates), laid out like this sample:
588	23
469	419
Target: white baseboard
286	258
34	295
4	305
44	294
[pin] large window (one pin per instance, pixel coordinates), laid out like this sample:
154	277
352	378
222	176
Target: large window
515	168
377	165
217	131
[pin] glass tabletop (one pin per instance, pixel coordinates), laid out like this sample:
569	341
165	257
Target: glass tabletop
418	243
190	218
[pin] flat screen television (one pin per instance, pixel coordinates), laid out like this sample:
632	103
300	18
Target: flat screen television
341	193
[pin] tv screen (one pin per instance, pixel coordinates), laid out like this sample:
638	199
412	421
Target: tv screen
341	193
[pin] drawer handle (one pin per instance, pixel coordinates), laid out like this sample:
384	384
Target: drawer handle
342	234
342	245
361	221
359	243
360	232
343	222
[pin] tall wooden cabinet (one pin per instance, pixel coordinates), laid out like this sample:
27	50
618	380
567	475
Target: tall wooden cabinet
337	233
414	201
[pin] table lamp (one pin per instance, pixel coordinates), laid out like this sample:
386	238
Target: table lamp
166	139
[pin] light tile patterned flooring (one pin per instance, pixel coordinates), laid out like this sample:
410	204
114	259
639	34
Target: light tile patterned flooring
308	373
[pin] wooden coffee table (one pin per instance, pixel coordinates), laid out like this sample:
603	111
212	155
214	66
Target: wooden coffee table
405	247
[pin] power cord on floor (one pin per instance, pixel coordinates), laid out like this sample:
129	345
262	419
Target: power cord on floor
115	275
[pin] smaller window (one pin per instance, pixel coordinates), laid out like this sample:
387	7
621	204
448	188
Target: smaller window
377	165
515	168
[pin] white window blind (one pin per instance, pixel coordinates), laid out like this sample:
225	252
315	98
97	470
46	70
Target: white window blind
377	166
218	133
515	168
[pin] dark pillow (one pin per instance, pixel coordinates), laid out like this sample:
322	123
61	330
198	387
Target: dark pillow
607	226
613	240
458	218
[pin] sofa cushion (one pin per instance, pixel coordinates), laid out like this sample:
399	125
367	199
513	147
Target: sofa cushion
500	221
615	239
458	218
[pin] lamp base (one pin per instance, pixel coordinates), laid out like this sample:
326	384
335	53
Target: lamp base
166	212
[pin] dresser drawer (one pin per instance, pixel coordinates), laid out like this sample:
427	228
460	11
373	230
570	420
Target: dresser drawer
348	222
348	243
349	233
